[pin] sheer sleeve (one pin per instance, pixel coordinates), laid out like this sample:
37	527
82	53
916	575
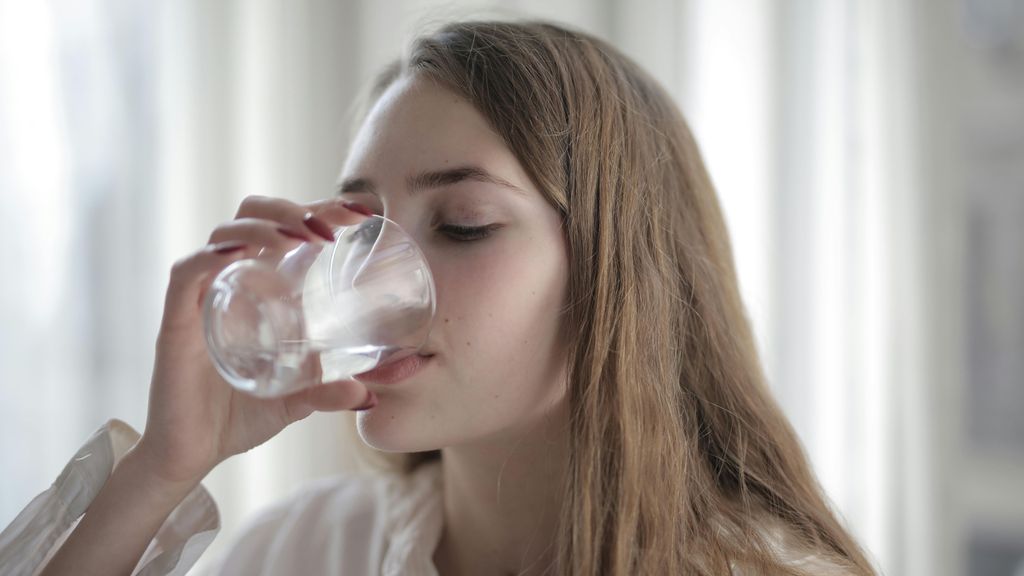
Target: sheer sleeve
39	530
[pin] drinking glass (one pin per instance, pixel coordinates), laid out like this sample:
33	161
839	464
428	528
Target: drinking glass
322	312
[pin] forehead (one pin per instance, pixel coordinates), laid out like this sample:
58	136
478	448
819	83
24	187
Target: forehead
420	124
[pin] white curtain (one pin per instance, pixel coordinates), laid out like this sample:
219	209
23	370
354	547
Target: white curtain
129	130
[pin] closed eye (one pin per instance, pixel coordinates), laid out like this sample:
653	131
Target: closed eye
467	233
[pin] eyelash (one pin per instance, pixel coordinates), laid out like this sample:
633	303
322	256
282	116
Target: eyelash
466	233
455	232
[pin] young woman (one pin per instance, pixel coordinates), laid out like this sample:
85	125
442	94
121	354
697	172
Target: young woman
590	401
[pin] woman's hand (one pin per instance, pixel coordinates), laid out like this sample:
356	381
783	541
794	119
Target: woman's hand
196	419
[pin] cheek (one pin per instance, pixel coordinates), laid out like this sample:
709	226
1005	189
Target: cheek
498	305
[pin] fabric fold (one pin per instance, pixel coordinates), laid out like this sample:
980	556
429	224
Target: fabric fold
39	530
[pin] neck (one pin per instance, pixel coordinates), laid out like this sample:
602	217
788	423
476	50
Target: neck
502	500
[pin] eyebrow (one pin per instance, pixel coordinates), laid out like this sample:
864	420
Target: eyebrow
432	179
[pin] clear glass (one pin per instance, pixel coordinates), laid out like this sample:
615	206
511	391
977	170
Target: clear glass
322	312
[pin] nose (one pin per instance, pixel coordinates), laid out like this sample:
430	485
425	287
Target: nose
405	215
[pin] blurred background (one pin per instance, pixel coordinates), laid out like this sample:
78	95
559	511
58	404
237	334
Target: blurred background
869	155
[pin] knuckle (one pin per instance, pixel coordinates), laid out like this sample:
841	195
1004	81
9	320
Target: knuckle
247	204
178	272
179	266
220	230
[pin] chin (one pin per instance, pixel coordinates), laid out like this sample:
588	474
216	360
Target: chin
389	433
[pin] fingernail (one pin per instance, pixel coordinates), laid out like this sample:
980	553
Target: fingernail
292	234
319	227
358	208
228	247
371	401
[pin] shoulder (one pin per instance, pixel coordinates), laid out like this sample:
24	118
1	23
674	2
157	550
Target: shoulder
342	517
793	553
324	502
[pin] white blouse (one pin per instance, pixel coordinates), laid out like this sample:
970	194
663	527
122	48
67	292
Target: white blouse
353	525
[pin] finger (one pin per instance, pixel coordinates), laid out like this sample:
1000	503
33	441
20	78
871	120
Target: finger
339	212
190	275
328	397
261	232
309	217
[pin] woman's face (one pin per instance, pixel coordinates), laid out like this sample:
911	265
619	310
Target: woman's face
498	361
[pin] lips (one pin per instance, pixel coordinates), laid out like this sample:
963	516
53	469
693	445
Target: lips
394	372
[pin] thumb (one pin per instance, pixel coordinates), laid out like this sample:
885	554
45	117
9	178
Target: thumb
329	397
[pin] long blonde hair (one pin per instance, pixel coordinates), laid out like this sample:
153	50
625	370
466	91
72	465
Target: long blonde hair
679	454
